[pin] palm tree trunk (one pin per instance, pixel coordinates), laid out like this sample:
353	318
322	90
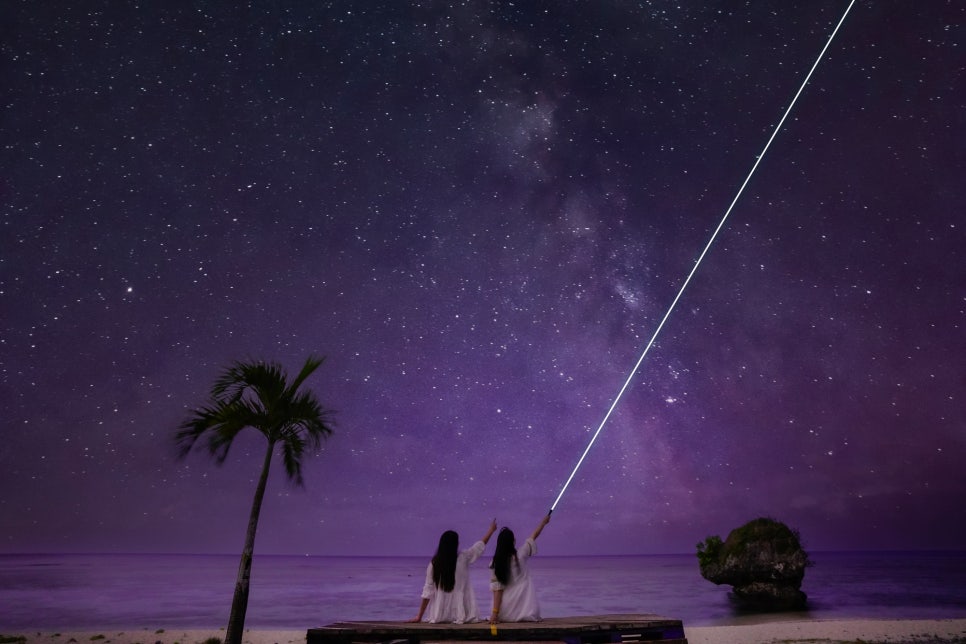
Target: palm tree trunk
239	602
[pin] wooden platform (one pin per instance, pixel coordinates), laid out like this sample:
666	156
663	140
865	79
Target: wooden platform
591	629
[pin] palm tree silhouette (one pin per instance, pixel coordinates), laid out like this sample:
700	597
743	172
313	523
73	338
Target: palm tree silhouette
257	394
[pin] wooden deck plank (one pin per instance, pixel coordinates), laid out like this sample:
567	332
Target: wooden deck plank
591	629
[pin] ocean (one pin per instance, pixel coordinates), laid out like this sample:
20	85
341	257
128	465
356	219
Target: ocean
116	591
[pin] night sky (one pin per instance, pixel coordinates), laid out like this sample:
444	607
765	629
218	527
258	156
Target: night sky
479	212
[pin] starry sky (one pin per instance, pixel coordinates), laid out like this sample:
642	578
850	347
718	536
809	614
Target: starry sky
479	212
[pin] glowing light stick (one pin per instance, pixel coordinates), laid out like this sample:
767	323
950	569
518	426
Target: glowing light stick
714	235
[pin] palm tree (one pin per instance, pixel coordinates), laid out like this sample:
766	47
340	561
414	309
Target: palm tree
258	395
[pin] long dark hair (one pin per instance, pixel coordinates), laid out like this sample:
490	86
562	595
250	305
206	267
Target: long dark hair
506	550
444	562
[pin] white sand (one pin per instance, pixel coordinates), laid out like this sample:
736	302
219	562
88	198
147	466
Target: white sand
819	631
810	631
165	636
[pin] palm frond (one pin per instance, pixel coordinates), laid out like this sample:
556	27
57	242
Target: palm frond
311	364
232	418
193	428
310	417
255	394
265	380
292	459
218	424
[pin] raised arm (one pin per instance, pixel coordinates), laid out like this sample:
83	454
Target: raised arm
543	522
489	532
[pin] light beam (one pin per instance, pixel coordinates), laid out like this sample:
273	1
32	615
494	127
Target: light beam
697	263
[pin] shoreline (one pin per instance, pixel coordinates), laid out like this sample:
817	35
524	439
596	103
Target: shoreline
819	631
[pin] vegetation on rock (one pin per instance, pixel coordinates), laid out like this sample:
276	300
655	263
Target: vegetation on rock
763	561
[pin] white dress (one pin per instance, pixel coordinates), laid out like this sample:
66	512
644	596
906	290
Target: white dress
459	605
519	597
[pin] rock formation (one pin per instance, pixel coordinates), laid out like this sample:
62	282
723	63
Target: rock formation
763	561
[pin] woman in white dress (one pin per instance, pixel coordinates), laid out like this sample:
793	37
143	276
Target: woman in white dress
514	598
447	591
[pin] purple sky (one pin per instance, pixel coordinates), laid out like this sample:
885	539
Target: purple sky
479	212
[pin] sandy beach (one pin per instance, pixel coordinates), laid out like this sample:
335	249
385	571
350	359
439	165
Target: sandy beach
820	631
791	632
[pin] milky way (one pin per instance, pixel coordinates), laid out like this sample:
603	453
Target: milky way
479	212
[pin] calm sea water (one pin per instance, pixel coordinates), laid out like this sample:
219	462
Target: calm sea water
89	592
